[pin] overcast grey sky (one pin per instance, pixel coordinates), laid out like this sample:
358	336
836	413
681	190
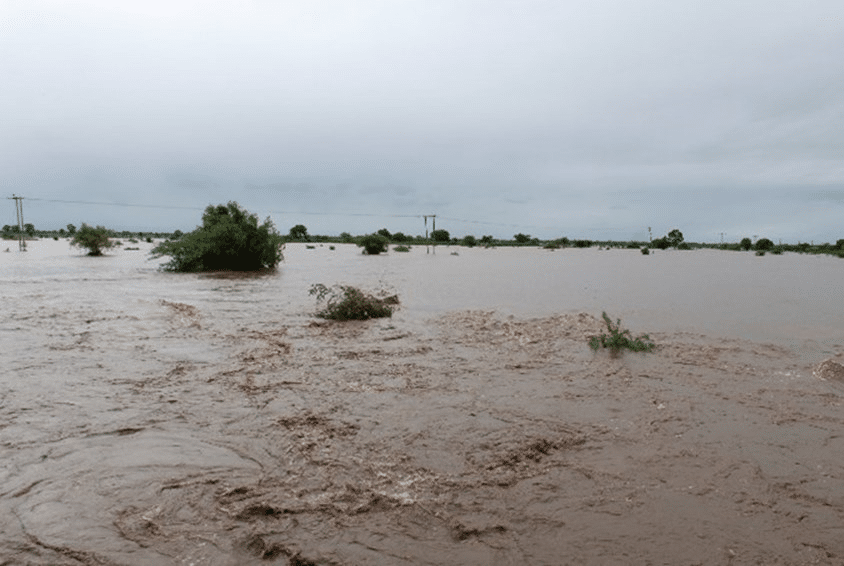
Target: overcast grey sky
587	119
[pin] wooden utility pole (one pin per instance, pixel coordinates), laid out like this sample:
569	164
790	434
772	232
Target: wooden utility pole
19	212
433	218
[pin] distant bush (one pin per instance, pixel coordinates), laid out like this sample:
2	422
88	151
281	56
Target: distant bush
661	243
583	243
760	252
373	244
645	251
401	248
764	244
521	238
299	233
469	241
350	303
618	339
440	236
746	244
230	239
95	240
683	246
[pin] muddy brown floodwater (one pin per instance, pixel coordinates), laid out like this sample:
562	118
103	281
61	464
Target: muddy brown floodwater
155	419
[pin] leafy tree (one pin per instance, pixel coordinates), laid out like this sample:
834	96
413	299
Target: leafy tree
469	241
746	244
299	233
230	239
522	238
399	237
440	235
661	243
71	229
839	244
346	238
674	237
486	240
386	233
29	229
764	244
177	235
374	244
95	240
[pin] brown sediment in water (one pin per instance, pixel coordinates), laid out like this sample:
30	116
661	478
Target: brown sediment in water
176	429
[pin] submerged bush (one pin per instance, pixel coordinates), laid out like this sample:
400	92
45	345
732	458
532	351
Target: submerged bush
374	244
618	339
95	240
230	239
345	302
401	248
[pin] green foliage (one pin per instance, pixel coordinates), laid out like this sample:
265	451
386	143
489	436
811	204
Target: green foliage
760	252
29	229
645	251
373	244
839	245
618	339
764	244
661	243
746	244
346	238
583	243
400	237
521	238
95	240
299	233
683	246
674	238
440	236
401	248
71	229
386	233
486	240
345	302
469	241
230	239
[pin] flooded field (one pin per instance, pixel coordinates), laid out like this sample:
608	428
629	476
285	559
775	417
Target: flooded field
151	418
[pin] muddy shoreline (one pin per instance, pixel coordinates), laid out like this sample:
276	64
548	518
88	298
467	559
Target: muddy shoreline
164	428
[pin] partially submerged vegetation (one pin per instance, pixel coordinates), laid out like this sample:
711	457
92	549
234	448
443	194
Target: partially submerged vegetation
380	241
230	239
619	339
95	240
344	302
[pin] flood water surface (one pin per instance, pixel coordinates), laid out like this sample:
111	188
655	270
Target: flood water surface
156	418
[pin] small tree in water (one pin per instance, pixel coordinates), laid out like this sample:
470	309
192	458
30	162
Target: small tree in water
95	240
230	239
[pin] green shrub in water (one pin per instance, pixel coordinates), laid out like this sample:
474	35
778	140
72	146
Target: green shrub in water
374	244
344	302
230	239
618	339
401	248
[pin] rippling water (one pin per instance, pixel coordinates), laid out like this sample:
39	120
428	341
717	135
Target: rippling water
147	416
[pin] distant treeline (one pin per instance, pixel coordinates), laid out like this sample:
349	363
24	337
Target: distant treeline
299	233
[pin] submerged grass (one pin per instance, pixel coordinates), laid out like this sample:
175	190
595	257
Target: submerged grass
344	302
619	339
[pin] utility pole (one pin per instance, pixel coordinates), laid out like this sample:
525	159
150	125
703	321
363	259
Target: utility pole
433	218
650	237
722	237
19	212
